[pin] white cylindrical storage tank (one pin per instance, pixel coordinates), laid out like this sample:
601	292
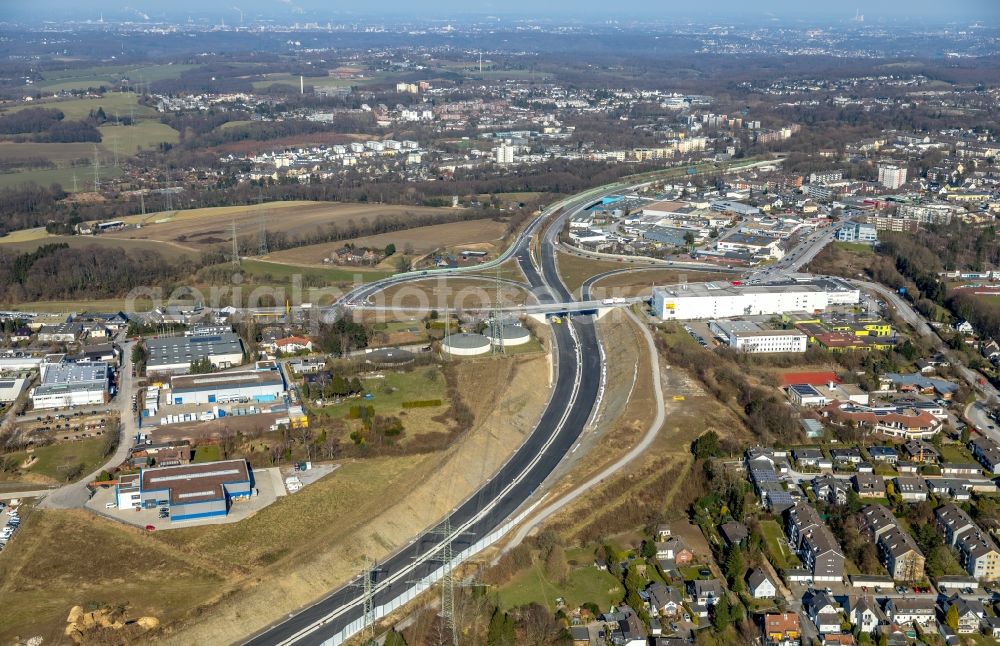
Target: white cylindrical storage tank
465	344
511	333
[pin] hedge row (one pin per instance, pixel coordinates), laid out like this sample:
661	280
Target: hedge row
423	403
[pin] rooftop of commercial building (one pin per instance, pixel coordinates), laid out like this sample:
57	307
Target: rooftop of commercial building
194	383
190	483
75	373
184	349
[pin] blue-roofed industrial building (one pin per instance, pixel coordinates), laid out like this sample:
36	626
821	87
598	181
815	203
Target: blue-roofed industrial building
189	491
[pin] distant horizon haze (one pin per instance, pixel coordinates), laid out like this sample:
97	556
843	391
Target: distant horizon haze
289	11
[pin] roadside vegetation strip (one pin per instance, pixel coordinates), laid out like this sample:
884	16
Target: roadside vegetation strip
639	449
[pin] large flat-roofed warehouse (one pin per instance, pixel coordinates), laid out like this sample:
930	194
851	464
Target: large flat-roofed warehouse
195	490
246	385
175	354
722	300
71	384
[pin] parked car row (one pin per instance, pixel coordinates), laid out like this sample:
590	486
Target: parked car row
13	522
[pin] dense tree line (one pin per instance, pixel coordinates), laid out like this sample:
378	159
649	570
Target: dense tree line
47	126
29	120
61	272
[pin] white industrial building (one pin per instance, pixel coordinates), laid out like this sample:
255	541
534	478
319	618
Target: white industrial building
225	387
71	384
721	300
764	341
175	354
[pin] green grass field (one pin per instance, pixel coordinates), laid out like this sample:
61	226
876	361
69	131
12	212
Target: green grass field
107	75
956	453
206	453
130	140
405	386
122	102
778	551
62	176
585	584
53	458
856	247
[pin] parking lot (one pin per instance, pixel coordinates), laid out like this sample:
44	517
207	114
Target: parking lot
10	520
268	484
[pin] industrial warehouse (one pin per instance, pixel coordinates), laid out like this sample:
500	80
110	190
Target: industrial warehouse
723	300
175	354
187	491
261	386
71	384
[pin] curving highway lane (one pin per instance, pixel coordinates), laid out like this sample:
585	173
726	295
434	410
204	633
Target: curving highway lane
578	376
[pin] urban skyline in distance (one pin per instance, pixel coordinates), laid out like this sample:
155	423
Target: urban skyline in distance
585	11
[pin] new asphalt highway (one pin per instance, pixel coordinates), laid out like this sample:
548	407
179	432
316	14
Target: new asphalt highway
575	390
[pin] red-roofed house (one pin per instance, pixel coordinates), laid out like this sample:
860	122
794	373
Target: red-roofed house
908	423
818	378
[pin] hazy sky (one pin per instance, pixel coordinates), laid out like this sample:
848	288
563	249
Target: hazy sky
986	10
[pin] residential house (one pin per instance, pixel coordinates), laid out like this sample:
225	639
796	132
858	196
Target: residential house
809	458
991	626
921	451
760	585
868	485
832	490
665	600
782	629
706	592
865	615
970	613
909	610
883	454
850	455
910	489
776	459
674	549
734	533
824	612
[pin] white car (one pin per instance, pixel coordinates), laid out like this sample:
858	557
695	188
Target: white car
111	505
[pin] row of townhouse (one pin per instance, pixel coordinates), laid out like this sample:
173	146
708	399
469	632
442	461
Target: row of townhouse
897	550
814	543
977	552
987	451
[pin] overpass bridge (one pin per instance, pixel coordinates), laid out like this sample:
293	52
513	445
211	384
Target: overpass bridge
538	311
